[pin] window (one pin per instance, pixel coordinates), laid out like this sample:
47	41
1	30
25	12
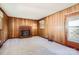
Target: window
73	29
1	16
42	24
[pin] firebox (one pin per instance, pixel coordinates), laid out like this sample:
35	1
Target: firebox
25	33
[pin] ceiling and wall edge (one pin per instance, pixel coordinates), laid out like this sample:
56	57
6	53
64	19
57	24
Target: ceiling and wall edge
58	11
40	18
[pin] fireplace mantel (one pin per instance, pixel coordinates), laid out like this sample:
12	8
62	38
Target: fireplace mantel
25	28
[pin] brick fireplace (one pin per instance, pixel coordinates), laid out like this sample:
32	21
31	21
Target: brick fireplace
25	31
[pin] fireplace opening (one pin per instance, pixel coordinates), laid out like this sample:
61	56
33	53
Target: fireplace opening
25	33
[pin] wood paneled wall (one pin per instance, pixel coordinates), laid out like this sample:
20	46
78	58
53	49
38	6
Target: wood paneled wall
14	24
4	30
55	25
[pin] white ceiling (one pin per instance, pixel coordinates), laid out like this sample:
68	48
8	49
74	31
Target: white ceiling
33	10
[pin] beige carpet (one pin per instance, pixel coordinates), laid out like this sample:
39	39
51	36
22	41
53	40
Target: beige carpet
35	46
